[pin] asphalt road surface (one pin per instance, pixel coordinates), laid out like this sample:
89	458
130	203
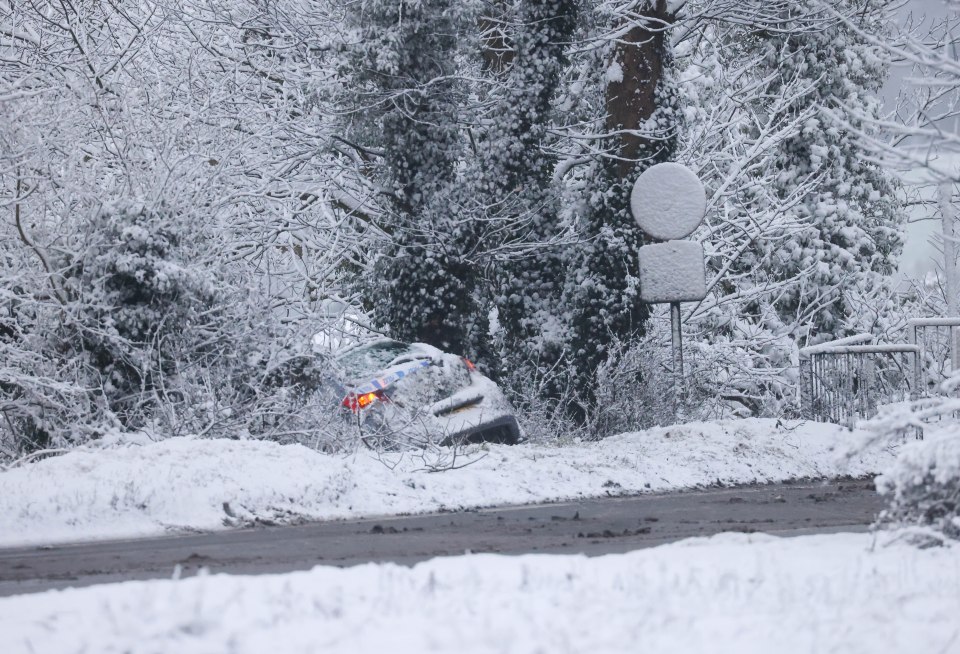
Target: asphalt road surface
592	527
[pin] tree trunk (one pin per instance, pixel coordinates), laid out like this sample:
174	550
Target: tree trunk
495	48
631	101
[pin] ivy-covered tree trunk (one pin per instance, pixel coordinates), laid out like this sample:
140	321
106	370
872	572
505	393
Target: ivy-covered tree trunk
641	123
516	180
403	66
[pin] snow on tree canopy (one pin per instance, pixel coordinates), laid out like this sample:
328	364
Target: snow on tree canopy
672	272
668	201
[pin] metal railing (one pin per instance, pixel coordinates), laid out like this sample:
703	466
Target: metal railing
937	357
845	380
938	354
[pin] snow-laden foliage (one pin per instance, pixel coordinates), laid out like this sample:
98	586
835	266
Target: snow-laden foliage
923	484
921	136
515	179
146	337
399	62
186	183
134	310
163	241
802	225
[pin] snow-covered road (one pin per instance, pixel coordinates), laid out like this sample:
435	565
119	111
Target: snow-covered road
184	484
734	593
587	526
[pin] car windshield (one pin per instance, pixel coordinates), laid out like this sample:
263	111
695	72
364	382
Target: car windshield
372	358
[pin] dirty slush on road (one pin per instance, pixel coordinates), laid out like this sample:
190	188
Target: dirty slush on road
593	527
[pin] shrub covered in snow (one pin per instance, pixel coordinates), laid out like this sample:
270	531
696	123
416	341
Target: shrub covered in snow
924	483
146	332
134	312
632	389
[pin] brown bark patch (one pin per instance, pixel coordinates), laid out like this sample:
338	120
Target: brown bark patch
631	101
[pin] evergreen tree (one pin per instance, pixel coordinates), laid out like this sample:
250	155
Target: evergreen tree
401	67
837	227
850	223
515	182
805	226
641	119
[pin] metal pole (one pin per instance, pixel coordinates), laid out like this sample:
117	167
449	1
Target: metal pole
806	389
949	264
914	340
849	400
677	332
818	388
870	385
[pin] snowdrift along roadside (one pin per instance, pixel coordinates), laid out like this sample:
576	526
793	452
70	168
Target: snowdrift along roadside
197	484
736	593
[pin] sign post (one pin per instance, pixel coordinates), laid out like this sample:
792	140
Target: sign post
679	388
668	202
950	266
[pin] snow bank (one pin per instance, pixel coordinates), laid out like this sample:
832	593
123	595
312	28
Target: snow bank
742	594
196	484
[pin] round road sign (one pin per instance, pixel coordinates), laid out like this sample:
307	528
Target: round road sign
668	201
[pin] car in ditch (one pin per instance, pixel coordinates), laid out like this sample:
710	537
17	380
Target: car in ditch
411	394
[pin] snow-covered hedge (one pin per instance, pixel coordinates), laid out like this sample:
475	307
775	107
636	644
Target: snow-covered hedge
924	483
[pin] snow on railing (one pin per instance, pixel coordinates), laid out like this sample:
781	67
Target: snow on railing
934	322
939	352
845	379
849	340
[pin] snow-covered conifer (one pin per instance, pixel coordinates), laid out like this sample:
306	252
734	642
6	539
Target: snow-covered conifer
802	224
838	216
405	97
516	184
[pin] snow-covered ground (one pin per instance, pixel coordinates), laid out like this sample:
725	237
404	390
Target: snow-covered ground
197	484
734	593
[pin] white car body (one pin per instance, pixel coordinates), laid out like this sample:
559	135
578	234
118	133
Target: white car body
415	393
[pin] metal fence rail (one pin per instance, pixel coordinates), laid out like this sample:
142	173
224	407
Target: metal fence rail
845	380
938	355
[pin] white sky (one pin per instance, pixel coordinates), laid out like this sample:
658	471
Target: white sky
931	11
